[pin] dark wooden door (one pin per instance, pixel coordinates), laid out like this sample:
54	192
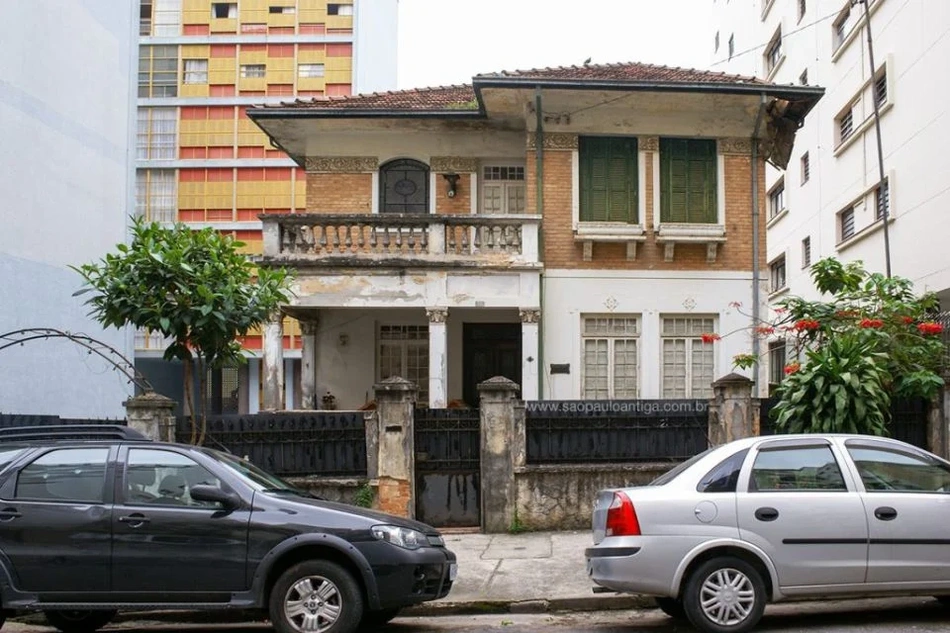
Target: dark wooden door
488	350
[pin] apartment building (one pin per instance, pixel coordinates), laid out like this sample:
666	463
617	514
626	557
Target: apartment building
200	160
831	201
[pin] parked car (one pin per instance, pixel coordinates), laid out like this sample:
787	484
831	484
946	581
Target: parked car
768	519
98	519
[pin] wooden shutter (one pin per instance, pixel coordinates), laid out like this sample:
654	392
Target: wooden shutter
608	179
688	181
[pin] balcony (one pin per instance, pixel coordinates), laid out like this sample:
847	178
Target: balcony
417	241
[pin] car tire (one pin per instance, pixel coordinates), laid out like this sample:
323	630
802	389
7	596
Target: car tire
943	600
334	599
739	591
374	619
671	607
79	621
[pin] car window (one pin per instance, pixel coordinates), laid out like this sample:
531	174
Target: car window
68	474
885	470
675	472
165	478
725	476
252	475
796	469
7	455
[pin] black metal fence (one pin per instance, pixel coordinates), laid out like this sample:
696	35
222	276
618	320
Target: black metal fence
447	440
600	431
328	443
14	420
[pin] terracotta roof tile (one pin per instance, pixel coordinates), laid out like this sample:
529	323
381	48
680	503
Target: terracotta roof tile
631	71
419	99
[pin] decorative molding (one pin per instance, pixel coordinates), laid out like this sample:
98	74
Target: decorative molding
689	304
741	146
453	164
308	327
553	140
529	315
345	164
648	143
611	303
437	315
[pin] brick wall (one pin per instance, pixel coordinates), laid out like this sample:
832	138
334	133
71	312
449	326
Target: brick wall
339	193
461	204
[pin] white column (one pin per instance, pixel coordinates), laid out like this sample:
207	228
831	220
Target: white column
308	363
438	350
253	385
530	326
273	362
289	383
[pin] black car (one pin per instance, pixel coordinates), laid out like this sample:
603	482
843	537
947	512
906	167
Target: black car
94	520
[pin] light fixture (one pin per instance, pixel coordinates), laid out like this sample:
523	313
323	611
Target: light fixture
453	183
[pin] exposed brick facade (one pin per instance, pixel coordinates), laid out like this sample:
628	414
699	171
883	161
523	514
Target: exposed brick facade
461	204
339	193
394	496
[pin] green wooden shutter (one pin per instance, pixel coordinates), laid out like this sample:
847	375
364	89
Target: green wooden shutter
608	179
688	181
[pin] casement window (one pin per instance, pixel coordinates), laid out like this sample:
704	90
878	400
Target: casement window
158	71
611	359
311	70
777	199
732	45
145	17
880	89
196	71
777	274
253	71
845	124
882	201
608	179
777	361
806	252
689	365
688	181
161	18
404	187
155	139
339	9
806	168
773	52
156	197
845	224
841	27
404	352
224	10
503	189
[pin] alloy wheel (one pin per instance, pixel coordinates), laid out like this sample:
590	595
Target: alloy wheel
313	604
727	597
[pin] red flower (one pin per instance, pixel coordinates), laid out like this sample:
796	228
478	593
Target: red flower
871	323
791	368
807	324
709	337
765	329
929	327
907	320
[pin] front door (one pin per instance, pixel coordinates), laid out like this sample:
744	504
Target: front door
489	350
164	539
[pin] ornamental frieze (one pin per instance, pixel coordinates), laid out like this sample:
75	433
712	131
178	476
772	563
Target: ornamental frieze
648	143
554	140
741	146
342	164
453	164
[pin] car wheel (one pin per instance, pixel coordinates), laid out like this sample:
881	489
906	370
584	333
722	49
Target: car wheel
316	597
373	619
724	595
671	607
79	621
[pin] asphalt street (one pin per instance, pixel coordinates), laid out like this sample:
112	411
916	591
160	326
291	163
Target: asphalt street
874	616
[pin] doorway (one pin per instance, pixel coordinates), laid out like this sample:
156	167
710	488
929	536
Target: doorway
488	350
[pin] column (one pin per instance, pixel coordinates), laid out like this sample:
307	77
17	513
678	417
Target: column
732	412
530	326
253	385
153	415
395	417
273	362
498	397
308	363
438	349
290	383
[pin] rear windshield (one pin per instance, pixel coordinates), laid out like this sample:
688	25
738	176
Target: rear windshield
675	472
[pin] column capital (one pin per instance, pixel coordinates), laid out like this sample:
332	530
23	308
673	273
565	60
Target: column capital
275	318
437	315
308	327
530	315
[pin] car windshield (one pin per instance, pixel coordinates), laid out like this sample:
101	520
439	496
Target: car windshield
675	472
257	478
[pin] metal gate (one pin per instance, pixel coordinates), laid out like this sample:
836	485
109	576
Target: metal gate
448	466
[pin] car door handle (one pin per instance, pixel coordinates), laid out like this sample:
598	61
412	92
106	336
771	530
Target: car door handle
885	513
8	514
134	520
766	514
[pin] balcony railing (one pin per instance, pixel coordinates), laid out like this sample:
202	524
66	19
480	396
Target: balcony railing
356	239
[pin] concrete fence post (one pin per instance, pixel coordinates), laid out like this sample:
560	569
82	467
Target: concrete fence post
733	412
152	415
395	470
937	417
498	410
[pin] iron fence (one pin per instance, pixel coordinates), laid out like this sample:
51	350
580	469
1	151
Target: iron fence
595	431
328	443
447	440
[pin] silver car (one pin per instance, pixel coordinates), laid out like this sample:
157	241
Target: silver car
775	518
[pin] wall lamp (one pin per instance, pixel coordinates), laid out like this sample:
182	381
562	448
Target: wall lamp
453	184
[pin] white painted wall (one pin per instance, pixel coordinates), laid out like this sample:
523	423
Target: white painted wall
911	39
375	47
66	117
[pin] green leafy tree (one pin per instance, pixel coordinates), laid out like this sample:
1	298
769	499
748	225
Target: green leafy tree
195	287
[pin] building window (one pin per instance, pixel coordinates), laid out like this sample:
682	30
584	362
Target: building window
846	224
806	252
845	124
404	352
802	8
224	10
806	168
145	17
688	363
166	18
716	50
777	274
284	10
156	195
156	133
253	71
196	71
777	359
688	181
777	199
158	71
404	187
882	201
841	26
773	52
503	189
880	89
608	179
611	359
803	78
222	390
310	71
339	9
732	45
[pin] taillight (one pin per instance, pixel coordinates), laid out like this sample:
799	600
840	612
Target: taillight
622	517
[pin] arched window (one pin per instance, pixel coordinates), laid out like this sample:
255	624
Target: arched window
404	187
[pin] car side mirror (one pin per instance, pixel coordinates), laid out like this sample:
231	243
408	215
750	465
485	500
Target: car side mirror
213	494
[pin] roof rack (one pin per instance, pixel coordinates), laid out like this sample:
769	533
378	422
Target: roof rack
70	432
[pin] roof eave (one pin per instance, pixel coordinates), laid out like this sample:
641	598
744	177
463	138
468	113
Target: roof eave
358	113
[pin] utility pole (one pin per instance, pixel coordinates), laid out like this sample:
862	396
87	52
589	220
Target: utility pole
877	131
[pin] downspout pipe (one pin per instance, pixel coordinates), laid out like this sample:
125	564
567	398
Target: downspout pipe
539	177
756	247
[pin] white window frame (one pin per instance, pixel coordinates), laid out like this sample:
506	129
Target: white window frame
845	124
245	68
195	72
690	341
232	11
774	54
342	8
780	263
611	339
847	211
806	251
404	343
886	187
284	9
806	168
157	134
777	365
166	18
311	70
156	194
776	196
506	185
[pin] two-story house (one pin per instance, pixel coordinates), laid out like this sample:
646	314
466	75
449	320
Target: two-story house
577	230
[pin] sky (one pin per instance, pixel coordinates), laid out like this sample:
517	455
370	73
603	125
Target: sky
444	42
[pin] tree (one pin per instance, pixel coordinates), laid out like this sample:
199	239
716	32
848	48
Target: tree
194	287
867	340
